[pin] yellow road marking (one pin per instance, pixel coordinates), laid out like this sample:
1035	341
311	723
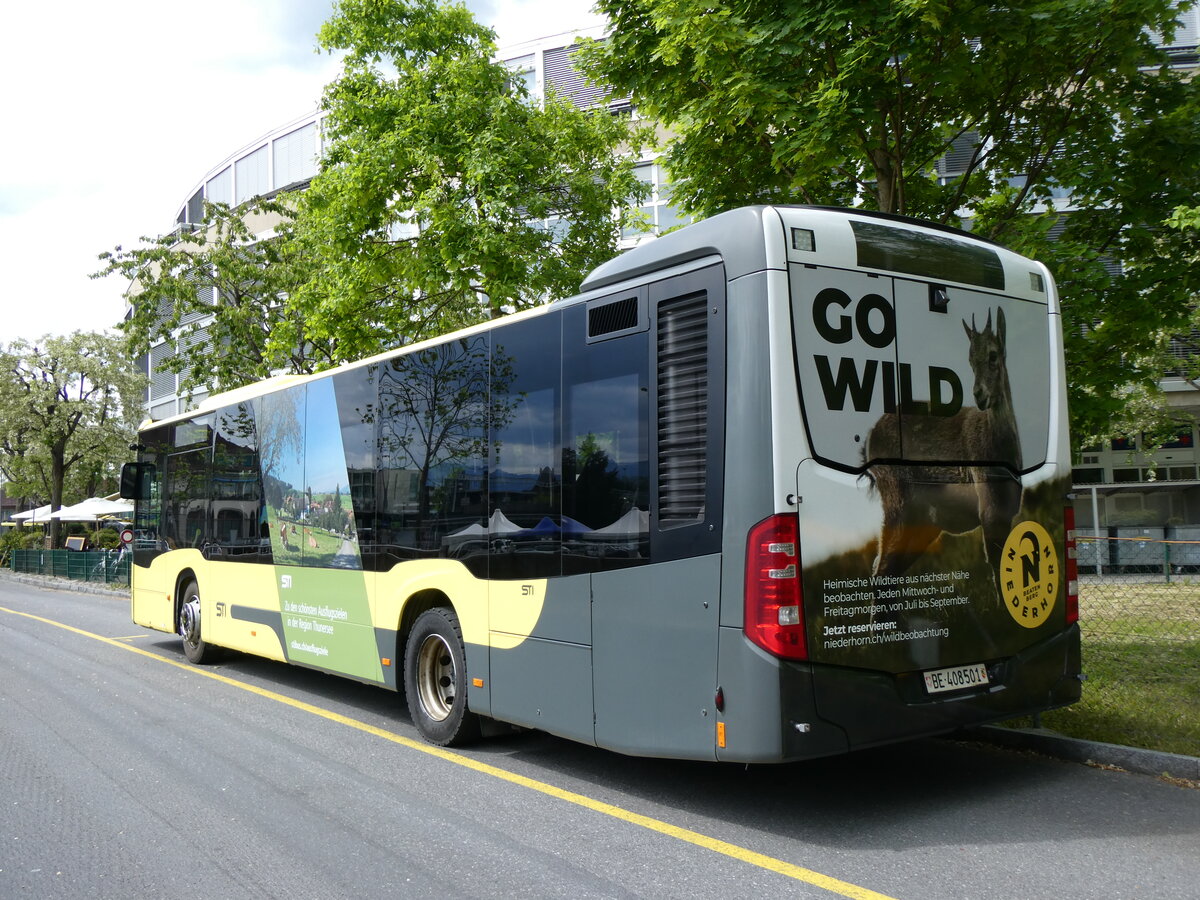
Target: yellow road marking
762	861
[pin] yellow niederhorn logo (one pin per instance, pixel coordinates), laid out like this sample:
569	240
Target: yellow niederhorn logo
1029	574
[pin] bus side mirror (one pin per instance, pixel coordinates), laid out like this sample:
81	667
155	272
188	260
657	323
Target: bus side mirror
136	478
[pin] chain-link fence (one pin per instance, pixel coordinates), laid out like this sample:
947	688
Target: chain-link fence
1139	611
103	566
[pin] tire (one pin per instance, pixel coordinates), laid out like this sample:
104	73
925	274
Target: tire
189	626
435	680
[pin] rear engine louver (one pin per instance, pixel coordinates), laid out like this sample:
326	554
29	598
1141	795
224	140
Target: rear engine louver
682	410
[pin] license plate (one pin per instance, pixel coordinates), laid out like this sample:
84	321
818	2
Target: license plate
956	678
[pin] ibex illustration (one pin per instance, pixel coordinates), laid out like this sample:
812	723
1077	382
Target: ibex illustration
973	486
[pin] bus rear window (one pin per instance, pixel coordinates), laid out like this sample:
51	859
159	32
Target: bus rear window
887	375
925	255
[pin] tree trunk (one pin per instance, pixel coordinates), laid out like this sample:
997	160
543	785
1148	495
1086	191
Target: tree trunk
886	181
57	476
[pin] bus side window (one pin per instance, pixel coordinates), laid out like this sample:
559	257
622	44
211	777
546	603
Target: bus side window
431	439
148	517
238	516
185	503
606	472
525	474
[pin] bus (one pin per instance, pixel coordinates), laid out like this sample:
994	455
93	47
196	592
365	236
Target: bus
785	483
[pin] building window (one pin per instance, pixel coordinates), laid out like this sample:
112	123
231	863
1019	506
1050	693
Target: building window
657	211
523	71
195	207
162	382
960	157
296	156
566	81
220	187
1181	441
250	175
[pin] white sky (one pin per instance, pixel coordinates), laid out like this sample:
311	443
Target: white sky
114	112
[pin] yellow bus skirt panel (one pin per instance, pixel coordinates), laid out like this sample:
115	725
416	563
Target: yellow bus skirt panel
153	593
483	608
240	608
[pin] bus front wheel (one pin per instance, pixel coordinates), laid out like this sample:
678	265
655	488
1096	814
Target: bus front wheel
435	674
194	647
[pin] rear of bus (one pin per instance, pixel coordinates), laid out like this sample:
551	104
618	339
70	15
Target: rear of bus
914	572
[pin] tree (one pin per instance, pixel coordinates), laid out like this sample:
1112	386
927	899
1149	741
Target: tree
68	407
841	101
855	104
219	296
1127	268
448	195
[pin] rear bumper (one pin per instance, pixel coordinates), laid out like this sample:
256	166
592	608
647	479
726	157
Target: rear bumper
880	707
821	710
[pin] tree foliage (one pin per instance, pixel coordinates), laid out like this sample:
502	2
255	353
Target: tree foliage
838	102
68	410
448	194
219	295
1127	268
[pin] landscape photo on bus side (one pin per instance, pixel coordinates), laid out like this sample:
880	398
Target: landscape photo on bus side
326	616
947	551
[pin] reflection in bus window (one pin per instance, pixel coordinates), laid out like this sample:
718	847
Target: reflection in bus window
433	409
606	493
525	486
237	509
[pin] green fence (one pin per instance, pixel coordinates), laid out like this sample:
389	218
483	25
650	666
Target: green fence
1139	612
101	566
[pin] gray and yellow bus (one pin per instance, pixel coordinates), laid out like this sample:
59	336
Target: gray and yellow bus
785	483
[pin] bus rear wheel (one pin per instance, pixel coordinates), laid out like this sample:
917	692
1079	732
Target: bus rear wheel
435	674
194	646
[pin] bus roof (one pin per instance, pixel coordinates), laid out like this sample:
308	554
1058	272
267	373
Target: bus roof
735	237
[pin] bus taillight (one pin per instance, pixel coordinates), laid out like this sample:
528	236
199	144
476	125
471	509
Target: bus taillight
1072	566
774	607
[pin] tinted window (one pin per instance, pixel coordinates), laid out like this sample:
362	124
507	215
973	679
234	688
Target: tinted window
888	375
357	409
279	418
937	256
238	517
185	503
324	513
525	486
148	523
606	474
433	410
309	512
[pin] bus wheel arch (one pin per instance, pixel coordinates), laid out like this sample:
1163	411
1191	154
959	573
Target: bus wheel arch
435	677
188	621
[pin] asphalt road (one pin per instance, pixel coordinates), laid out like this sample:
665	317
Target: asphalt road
125	772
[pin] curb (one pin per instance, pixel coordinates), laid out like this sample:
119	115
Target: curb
51	582
1051	743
